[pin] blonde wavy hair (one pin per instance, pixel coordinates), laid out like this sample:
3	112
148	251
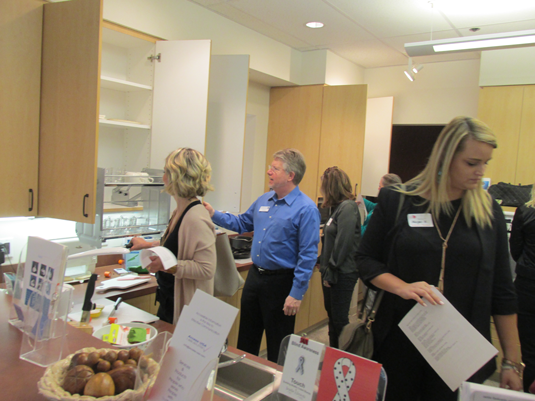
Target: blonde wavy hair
188	173
434	180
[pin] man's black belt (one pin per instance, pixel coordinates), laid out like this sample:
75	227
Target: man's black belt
267	272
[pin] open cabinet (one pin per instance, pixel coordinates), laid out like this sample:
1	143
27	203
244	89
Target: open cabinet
106	102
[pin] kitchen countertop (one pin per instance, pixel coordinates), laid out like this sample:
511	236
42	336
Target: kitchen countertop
19	377
129	293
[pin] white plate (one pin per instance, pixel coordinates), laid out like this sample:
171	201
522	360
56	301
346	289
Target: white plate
143	345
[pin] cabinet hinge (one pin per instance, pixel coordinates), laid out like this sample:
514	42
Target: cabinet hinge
158	57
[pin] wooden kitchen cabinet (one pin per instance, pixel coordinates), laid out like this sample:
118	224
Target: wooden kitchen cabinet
326	123
20	77
510	112
98	106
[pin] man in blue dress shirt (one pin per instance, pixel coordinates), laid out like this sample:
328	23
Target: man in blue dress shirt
284	251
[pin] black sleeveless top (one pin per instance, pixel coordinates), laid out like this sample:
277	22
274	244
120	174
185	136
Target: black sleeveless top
165	294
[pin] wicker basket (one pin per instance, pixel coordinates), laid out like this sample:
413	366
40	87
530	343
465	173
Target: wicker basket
50	384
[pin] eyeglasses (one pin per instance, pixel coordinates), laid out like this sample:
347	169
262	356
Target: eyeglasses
273	168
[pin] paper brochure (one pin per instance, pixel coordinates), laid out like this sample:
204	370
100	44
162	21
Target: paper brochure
451	345
194	349
166	256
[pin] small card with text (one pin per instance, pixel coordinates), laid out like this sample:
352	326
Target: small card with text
301	368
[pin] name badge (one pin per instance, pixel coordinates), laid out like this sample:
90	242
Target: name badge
420	220
264	209
329	222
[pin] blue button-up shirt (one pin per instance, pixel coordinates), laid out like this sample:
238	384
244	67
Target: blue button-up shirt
286	234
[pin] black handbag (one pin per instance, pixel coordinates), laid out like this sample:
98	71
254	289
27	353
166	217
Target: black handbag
510	194
357	337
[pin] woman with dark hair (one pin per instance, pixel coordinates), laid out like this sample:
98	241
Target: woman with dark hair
522	243
190	235
341	238
461	248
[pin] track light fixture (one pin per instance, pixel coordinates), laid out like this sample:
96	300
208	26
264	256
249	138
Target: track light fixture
417	68
409	71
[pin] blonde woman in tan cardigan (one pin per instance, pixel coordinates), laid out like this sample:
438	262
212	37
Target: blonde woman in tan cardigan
190	235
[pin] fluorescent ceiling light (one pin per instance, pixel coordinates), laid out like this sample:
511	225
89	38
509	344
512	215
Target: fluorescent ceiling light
493	41
314	25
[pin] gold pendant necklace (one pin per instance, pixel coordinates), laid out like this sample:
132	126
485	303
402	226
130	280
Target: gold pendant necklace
444	247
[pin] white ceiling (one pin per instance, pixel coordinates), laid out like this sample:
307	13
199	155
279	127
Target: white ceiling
372	33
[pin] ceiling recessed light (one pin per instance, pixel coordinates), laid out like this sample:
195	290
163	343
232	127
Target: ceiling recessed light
314	24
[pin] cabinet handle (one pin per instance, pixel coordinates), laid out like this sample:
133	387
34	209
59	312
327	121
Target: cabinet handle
31	200
83	205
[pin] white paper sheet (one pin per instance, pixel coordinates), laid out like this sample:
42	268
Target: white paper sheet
167	257
200	333
451	345
480	392
301	368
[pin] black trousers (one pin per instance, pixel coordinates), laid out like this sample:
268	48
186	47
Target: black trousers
409	376
262	305
337	300
525	290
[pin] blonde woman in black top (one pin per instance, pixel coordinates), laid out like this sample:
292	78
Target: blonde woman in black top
341	238
461	249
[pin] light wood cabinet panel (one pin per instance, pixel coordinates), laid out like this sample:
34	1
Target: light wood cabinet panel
501	109
343	126
69	109
326	123
525	166
295	122
317	308
302	317
20	77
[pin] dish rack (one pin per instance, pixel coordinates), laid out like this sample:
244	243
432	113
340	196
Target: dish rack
127	209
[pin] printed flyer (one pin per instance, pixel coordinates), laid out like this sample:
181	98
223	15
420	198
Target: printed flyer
301	368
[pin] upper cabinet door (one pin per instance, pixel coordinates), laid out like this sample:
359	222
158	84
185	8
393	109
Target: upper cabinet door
69	109
180	101
20	75
225	137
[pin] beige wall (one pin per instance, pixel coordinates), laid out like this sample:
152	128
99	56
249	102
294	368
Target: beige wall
181	19
440	91
508	67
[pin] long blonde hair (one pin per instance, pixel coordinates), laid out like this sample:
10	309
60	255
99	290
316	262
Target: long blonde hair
434	179
531	202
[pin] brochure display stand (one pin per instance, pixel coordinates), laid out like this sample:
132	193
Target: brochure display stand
41	302
44	328
313	371
16	315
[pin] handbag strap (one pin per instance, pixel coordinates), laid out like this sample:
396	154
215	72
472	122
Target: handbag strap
379	295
